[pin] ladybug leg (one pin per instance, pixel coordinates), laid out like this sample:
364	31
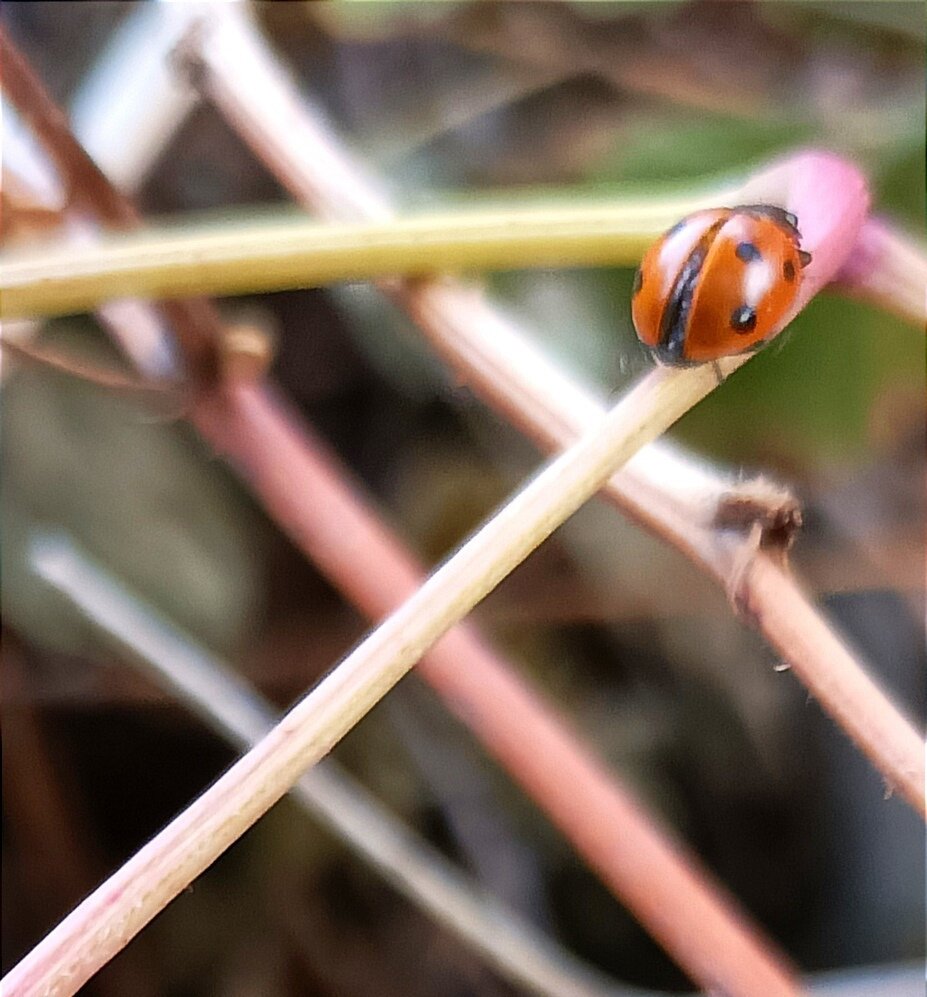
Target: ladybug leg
716	367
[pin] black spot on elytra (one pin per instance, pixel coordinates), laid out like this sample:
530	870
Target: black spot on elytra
788	271
743	319
747	252
638	283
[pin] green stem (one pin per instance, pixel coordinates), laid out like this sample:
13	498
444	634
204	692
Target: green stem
285	252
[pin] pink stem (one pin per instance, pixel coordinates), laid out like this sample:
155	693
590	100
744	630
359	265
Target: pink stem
659	880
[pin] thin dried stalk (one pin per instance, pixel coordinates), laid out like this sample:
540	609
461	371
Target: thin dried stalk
610	807
778	605
248	86
331	522
116	911
327	792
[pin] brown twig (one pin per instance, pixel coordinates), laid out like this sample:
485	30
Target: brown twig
251	90
110	379
194	320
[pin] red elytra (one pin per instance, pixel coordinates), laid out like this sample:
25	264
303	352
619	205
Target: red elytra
718	283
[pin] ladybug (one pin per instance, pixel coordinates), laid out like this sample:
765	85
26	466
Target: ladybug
719	282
